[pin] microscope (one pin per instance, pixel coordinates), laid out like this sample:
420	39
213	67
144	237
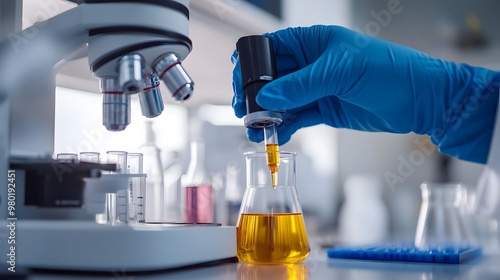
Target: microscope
132	46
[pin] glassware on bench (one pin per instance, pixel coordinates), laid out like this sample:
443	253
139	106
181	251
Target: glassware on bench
197	201
270	228
441	222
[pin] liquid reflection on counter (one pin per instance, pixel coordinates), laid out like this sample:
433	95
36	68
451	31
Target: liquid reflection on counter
247	271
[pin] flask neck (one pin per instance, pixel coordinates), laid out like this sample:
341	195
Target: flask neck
197	153
258	172
442	194
196	173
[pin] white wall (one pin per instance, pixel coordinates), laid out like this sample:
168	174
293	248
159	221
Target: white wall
79	126
306	13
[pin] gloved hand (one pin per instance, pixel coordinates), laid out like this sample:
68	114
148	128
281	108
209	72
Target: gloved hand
335	76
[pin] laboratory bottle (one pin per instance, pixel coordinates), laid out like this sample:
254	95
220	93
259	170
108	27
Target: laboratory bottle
152	166
172	173
197	192
363	217
270	227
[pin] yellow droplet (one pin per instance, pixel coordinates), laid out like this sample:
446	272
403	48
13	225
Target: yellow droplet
274	179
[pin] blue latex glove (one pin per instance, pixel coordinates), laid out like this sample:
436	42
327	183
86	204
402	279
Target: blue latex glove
335	76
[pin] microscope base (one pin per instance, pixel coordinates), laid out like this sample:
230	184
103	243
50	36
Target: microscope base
87	246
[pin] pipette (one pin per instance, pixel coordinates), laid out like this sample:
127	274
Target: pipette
258	67
272	151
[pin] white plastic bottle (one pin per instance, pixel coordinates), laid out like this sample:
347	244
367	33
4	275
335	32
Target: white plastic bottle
364	218
154	201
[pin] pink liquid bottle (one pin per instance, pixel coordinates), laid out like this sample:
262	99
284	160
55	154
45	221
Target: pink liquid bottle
197	194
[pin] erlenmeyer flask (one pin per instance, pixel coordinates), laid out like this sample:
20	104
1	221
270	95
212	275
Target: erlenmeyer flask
270	226
441	223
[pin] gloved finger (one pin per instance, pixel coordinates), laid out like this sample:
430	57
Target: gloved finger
255	135
238	107
340	114
288	50
238	102
234	57
293	122
293	90
237	84
304	44
286	64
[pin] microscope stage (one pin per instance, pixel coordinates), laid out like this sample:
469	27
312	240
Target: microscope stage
88	246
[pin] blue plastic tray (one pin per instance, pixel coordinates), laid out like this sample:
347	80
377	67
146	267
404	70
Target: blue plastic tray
404	253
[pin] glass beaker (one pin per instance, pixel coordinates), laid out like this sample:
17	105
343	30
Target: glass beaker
120	159
441	223
67	157
94	157
270	227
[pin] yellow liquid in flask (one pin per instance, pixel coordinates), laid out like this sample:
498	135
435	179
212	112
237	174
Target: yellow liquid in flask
272	238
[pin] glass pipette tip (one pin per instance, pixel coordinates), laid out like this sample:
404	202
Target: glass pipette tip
272	152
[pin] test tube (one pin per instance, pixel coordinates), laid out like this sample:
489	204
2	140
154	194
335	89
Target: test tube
136	187
272	152
67	157
134	163
110	208
120	159
93	157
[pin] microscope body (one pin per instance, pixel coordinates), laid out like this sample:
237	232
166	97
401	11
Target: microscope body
130	45
105	31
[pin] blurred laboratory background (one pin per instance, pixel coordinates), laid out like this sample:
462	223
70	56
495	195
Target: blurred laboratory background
352	186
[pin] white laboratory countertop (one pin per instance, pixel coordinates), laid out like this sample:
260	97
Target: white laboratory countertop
316	266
